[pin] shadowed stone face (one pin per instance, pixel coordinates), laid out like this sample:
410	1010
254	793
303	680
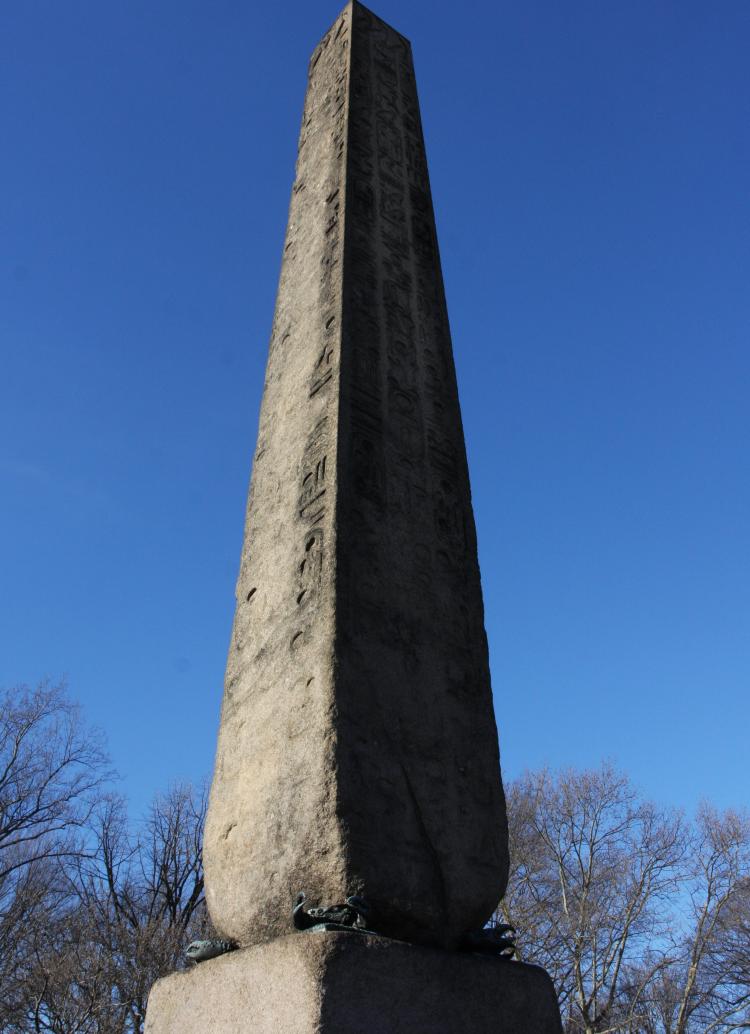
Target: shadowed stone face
357	751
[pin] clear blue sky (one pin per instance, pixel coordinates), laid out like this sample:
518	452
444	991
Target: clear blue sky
590	169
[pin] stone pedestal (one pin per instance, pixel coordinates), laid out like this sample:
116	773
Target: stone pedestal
340	983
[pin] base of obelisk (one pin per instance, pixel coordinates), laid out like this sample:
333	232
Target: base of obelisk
348	983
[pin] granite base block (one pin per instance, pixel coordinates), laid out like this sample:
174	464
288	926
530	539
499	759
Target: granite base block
338	983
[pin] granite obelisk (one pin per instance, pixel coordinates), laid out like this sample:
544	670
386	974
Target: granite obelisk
358	748
357	751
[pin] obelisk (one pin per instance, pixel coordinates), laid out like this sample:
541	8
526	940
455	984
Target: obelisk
358	747
358	751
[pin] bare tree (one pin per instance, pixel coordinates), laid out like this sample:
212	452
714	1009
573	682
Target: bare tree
92	910
593	871
133	903
706	987
143	897
52	770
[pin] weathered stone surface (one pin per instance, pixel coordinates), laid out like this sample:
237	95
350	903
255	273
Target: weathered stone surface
349	984
358	750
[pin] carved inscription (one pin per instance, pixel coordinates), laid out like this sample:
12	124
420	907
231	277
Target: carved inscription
325	112
310	567
405	448
313	479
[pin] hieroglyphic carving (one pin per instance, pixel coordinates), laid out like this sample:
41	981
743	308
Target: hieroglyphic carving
412	563
313	480
323	369
310	568
329	72
379	198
